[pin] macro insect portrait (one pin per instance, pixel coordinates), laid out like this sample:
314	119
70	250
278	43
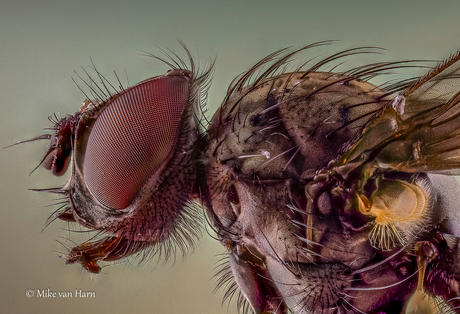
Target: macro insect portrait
329	193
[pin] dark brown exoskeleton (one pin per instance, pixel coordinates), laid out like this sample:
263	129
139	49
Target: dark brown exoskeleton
330	194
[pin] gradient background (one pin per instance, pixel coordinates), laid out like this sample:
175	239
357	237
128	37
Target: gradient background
43	42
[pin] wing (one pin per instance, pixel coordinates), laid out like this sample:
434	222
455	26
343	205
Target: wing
418	130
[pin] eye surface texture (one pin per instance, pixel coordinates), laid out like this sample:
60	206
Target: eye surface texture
132	137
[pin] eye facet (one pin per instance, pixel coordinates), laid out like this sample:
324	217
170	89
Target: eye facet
132	138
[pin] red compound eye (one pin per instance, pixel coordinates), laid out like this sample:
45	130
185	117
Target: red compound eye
132	137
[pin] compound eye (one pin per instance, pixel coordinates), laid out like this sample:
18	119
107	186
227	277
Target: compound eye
132	137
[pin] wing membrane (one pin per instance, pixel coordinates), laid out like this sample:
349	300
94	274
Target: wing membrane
419	130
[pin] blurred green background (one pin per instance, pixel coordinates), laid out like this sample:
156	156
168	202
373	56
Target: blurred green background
43	42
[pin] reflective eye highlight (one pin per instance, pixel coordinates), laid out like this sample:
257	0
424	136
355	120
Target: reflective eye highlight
132	137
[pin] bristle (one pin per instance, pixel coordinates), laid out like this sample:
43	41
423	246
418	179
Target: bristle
433	73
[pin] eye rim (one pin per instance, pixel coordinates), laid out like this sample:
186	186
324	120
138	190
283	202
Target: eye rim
177	72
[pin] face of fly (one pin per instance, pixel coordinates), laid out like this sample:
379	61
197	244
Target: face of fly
134	156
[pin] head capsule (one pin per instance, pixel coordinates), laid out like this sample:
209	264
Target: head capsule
134	164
